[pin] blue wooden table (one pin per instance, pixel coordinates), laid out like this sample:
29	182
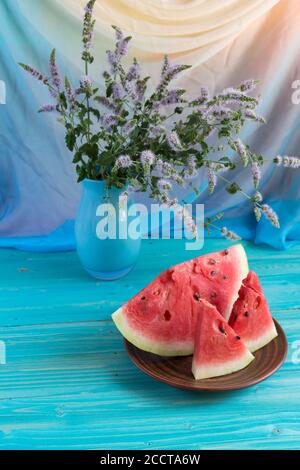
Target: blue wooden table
68	383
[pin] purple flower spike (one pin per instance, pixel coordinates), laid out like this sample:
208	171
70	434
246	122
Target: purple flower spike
287	162
191	170
248	85
271	215
124	161
173	97
70	94
118	91
90	7
204	95
229	234
48	108
212	180
232	93
131	90
174	141
123	47
88	30
35	73
219	111
112	61
164	185
147	158
108	121
157	131
291	162
133	72
86	82
165	65
106	102
242	152
55	76
250	114
256	173
119	33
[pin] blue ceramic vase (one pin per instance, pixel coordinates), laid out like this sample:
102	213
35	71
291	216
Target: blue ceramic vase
104	253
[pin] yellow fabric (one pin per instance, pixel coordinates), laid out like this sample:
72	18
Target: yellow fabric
190	31
203	27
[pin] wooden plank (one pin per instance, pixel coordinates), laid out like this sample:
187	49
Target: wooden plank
47	288
73	386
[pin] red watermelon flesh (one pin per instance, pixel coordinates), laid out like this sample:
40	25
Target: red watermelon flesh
218	349
252	282
161	318
251	317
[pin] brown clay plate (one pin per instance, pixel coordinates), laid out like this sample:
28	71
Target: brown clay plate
176	371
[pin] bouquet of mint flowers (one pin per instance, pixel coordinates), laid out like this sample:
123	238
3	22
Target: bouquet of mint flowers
154	140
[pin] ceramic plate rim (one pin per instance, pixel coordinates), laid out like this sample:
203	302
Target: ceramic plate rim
199	385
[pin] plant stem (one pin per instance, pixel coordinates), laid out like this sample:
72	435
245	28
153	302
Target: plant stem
88	104
240	190
207	225
88	112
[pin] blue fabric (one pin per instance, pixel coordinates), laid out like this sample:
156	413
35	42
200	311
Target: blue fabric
38	189
60	240
39	195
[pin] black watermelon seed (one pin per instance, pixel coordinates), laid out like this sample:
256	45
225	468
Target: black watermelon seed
226	252
222	329
212	261
197	296
246	314
213	295
143	298
224	277
257	303
238	337
167	315
213	273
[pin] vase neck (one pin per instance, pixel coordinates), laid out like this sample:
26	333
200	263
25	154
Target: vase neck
100	188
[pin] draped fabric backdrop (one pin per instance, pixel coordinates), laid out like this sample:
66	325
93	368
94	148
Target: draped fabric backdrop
225	41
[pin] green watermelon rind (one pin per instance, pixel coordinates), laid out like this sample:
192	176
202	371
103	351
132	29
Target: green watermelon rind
263	340
217	370
146	344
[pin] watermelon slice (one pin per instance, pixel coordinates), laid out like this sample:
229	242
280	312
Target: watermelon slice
251	317
218	349
161	318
